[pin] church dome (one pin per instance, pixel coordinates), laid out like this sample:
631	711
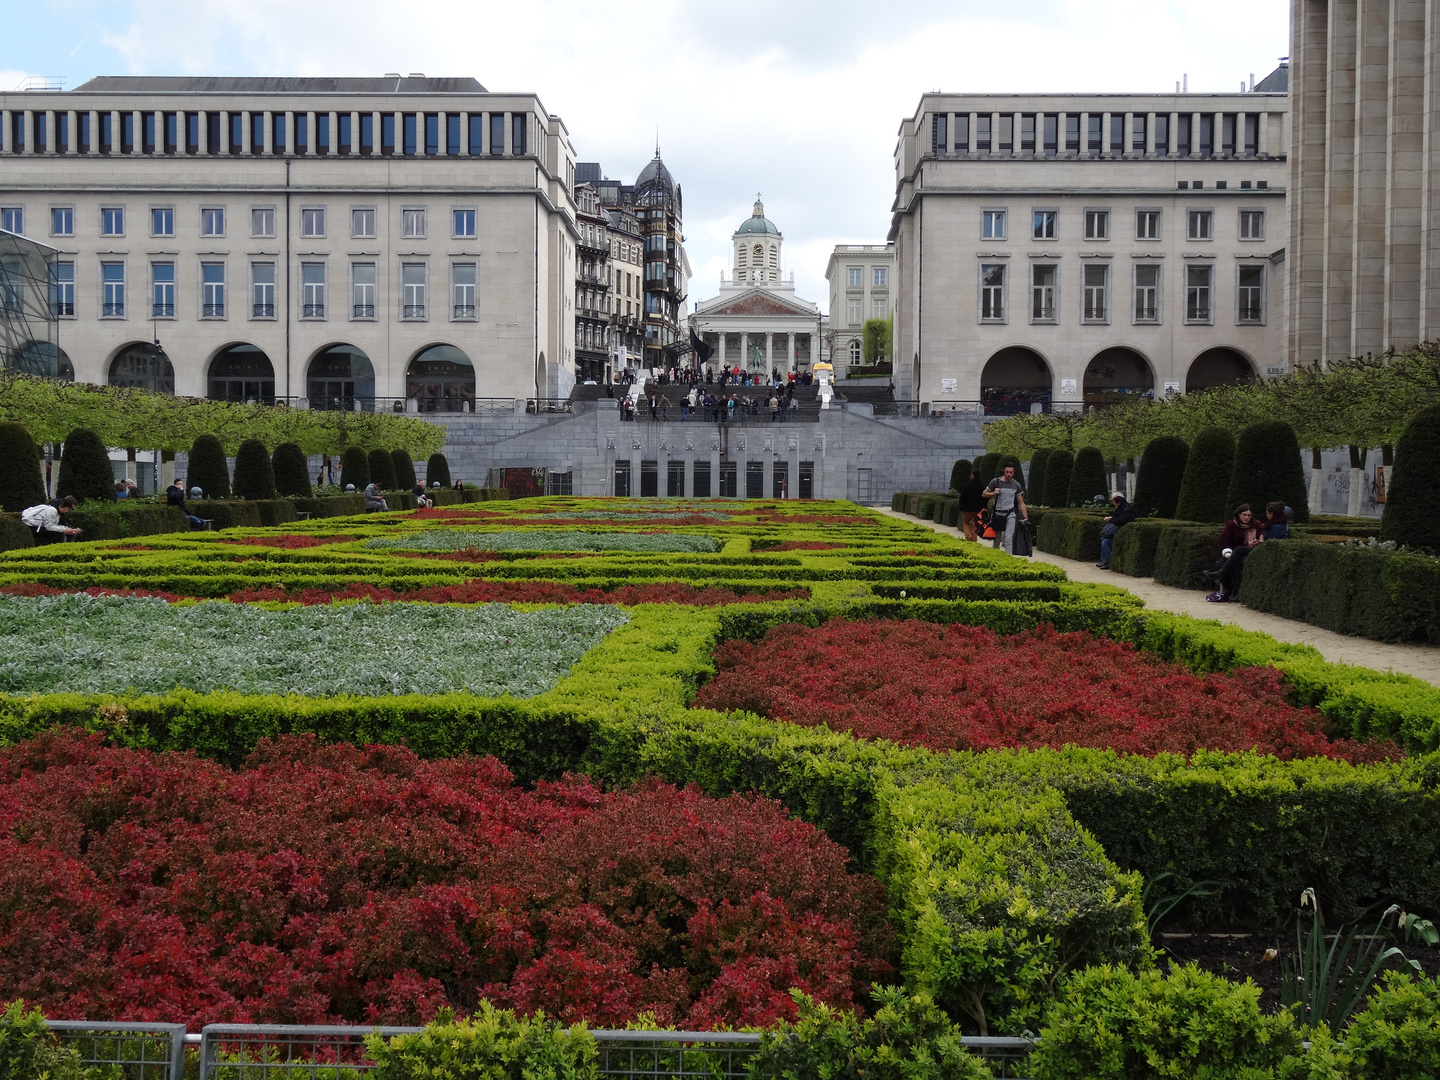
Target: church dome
758	222
656	175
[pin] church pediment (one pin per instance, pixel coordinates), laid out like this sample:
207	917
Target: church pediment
755	304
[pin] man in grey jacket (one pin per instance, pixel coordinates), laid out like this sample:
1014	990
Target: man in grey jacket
1009	498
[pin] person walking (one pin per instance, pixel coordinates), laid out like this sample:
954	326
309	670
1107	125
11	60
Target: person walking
1008	494
972	501
774	404
44	520
1122	514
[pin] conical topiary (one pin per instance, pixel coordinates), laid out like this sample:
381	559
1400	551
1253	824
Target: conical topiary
404	470
20	483
989	467
1087	478
1207	477
85	470
254	479
437	468
1412	498
1268	467
355	469
1162	470
292	471
1035	477
207	468
960	474
1058	467
382	470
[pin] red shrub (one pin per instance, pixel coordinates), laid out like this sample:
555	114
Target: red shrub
291	542
328	883
802	545
968	688
526	592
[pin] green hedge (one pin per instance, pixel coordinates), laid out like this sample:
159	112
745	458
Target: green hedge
1183	552
332	506
950	513
122	518
1071	535
1137	545
925	506
14	533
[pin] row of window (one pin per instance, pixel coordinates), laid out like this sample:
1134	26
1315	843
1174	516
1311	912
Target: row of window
1096	287
192	132
855	306
879	276
414	221
313	297
1174	134
1096	224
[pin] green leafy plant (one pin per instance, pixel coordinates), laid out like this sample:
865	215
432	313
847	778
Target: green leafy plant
1397	1035
85	470
1160	906
1162	470
1087	478
1412	503
404	470
382	469
493	1044
1035	478
20	484
1206	481
292	471
29	1051
960	474
207	468
1421	931
1267	467
1058	467
437	469
355	468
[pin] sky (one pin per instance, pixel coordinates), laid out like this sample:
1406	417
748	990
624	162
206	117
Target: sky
798	101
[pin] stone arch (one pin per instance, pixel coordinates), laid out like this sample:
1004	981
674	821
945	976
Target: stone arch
1014	380
340	376
1220	366
240	372
44	359
441	378
1117	374
143	365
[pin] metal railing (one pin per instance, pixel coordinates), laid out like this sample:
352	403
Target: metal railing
162	311
414	311
714	1055
313	311
548	405
463	311
213	311
262	311
294	1052
141	1051
362	311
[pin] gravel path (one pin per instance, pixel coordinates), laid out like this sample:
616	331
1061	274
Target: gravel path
1421	661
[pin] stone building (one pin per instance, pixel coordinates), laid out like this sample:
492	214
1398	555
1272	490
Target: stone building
1365	177
592	286
399	243
862	287
1060	250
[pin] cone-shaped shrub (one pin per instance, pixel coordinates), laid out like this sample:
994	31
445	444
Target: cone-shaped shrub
355	469
382	470
85	470
1035	479
1412	501
1161	472
1087	478
989	467
1207	477
1058	467
254	479
1267	467
292	471
437	468
404	470
960	474
20	483
207	469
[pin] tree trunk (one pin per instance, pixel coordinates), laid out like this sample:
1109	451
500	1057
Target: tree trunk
1357	479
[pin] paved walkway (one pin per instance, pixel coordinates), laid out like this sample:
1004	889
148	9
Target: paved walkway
1422	661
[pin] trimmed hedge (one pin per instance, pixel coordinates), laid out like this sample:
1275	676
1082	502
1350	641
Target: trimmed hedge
438	468
14	533
1183	552
382	470
1267	467
355	468
405	479
292	471
123	518
1162	469
1087	478
960	474
1035	482
85	470
1071	535
207	468
1058	467
20	484
254	478
1207	477
1412	503
1136	546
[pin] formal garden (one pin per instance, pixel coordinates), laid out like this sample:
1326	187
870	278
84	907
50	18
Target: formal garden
512	772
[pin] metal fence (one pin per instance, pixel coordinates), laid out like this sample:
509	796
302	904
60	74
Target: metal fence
137	1051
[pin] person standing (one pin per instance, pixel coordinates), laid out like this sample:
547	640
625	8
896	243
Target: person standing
44	520
1008	494
972	501
1122	514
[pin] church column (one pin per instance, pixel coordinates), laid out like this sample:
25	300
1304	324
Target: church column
812	360
790	351
744	348
769	353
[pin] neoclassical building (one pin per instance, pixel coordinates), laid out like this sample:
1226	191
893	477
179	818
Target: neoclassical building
757	323
862	287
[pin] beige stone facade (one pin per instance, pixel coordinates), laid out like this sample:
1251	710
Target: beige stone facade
1365	177
862	286
1059	250
275	234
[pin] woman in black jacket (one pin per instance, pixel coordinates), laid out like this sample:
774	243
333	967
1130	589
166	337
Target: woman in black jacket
1123	514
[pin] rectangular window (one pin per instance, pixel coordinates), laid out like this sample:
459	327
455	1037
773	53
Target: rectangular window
517	133
237	132
754	479
387	133
409	133
854	310
367	134
622	478
162	221
212	288
262	290
1137	133
1207	135
346	134
302	133
992	293
674	480
162	280
277	133
992	224
1094	135
497	134
1097	224
12	219
729	475
1117	133
477	133
1147	224
939	133
452	134
462	290
1096	280
1227	134
62	221
962	134
1042	292
107	133
412	222
1045	224
362	222
1162	136
62	133
362	290
322	133
562	483
1182	135
1027	133
112	283
212	221
699	480
1050	133
262	221
112	221
880	277
1251	307
854	277
412	289
982	134
1200	225
257	133
1072	132
1252	224
432	134
1197	293
1147	293
1252	135
62	290
212	131
1006	134
877	307
464	222
312	221
312	290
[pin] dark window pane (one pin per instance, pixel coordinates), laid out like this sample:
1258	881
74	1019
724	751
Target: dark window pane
302	133
497	133
452	134
477	133
127	132
387	133
409	133
322	133
517	136
237	132
432	133
257	132
367	133
345	135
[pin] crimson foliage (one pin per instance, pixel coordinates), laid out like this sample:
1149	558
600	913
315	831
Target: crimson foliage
968	688
328	883
530	592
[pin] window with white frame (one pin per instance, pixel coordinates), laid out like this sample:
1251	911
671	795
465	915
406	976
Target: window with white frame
112	286
212	289
462	290
880	277
1147	293
62	290
1250	294
1147	224
855	278
12	219
212	221
877	307
1097	224
992	224
162	221
1252	224
362	222
854	311
1044	225
62	221
1095	301
262	290
312	221
162	284
1202	224
362	290
412	222
262	221
464	223
312	290
992	292
112	221
1199	284
854	351
1042	292
412	290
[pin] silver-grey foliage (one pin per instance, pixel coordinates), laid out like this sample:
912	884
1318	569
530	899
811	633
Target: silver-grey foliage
457	540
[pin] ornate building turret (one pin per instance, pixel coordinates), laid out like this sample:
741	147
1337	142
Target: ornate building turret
757	248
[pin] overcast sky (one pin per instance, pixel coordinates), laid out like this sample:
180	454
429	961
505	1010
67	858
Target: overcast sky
800	101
